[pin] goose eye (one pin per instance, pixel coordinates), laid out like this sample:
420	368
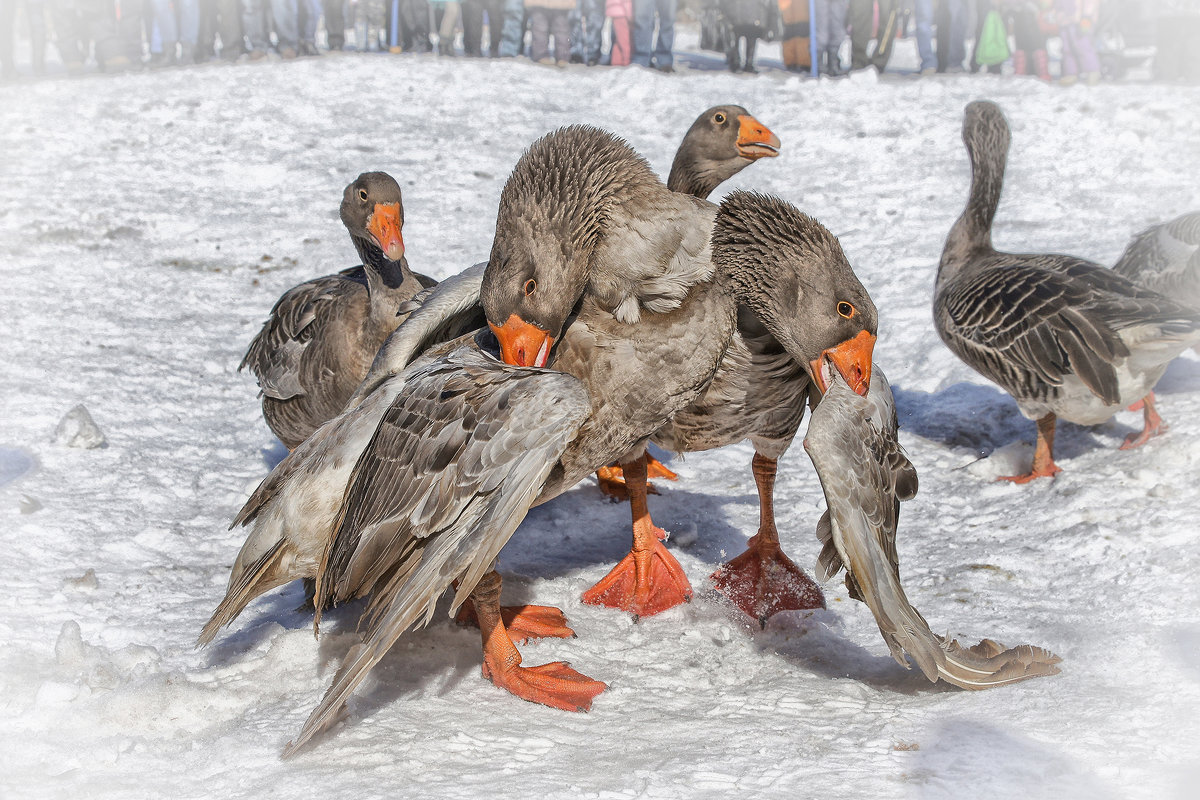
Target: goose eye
719	118
362	195
530	285
844	309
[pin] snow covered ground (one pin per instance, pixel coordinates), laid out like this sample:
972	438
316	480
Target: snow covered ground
149	221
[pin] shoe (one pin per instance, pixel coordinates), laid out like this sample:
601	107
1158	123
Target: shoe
591	62
749	68
309	49
928	71
257	55
546	60
1091	78
287	52
576	58
668	69
1068	80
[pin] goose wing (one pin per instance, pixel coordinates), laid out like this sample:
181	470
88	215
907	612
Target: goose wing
277	354
1166	259
856	463
436	314
879	460
1027	322
453	467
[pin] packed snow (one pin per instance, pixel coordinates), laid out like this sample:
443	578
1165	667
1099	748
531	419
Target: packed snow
148	222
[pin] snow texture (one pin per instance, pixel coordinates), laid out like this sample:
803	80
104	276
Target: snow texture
149	221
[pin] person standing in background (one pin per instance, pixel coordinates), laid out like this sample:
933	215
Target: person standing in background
750	20
472	25
335	24
620	50
549	18
1076	20
862	14
648	50
179	26
254	20
587	24
797	30
219	18
831	32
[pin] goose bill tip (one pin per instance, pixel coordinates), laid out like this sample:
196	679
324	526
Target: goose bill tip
522	344
851	359
385	226
756	140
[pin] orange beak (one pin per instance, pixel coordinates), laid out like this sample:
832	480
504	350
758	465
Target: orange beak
522	344
755	140
385	224
852	358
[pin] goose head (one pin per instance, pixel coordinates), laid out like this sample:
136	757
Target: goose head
791	272
551	216
986	134
373	212
722	142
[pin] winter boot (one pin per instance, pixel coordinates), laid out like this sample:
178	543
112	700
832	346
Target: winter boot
1020	67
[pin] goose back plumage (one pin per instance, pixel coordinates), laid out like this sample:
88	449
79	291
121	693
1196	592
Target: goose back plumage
1166	259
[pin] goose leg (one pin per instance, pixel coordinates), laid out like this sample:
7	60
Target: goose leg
522	622
1043	454
1154	424
554	684
763	581
612	478
649	579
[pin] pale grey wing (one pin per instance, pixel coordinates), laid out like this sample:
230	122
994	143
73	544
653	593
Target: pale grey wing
1166	259
452	470
436	314
861	522
276	355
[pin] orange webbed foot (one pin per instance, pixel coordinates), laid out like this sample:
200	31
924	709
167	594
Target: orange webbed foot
1043	472
554	684
644	589
523	622
763	581
1154	425
612	478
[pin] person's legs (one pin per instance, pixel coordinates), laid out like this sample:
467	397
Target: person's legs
862	16
472	25
643	31
285	13
923	13
539	27
168	28
592	12
664	47
560	29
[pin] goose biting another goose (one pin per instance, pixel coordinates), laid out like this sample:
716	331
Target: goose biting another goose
453	466
322	335
1064	336
764	383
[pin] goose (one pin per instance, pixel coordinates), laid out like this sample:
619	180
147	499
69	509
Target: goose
721	142
1064	336
321	336
452	467
759	393
1166	259
864	475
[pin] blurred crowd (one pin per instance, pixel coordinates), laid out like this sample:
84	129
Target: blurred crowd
1085	40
